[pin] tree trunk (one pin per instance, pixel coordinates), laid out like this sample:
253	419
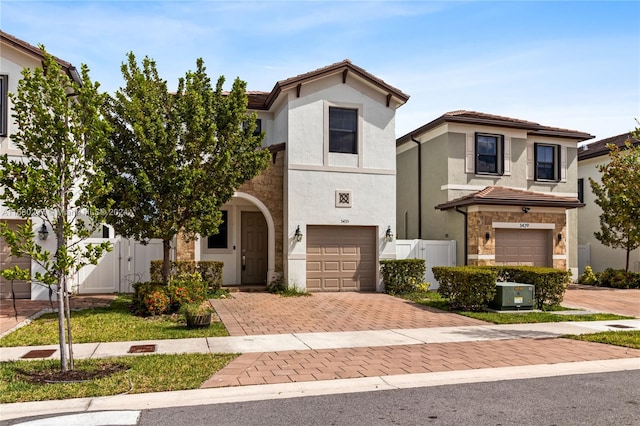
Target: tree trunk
626	268
166	247
68	315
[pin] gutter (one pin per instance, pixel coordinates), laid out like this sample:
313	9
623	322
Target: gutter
419	186
466	231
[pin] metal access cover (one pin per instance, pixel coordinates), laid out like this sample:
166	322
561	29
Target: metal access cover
142	349
38	353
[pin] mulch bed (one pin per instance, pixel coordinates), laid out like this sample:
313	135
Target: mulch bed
72	376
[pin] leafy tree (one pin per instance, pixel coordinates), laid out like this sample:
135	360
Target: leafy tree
619	197
60	132
175	159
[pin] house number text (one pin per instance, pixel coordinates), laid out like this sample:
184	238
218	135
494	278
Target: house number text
524	225
344	220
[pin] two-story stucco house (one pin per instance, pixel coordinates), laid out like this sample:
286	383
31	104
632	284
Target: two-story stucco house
322	213
15	55
505	189
595	254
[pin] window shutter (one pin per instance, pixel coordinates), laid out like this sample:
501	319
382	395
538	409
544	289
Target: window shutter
470	161
563	163
530	162
507	155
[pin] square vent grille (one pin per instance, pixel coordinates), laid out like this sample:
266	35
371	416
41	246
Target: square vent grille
343	198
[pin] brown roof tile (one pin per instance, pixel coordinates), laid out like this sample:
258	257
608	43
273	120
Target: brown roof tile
599	148
474	117
503	196
35	51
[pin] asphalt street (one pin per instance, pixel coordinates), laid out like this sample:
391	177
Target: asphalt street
586	399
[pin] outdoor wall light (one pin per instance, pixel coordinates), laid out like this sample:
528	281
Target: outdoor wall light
298	235
525	209
388	236
559	237
487	236
43	233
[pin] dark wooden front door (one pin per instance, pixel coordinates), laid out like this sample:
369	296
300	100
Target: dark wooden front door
254	248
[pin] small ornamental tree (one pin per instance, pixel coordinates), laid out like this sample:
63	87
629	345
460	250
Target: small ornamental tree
619	197
175	158
60	133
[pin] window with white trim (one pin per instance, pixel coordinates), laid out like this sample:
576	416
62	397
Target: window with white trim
547	162
219	240
343	130
489	155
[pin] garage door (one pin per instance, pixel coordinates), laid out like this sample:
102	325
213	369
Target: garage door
341	258
530	247
22	289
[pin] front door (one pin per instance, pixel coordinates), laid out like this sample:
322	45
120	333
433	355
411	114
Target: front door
254	248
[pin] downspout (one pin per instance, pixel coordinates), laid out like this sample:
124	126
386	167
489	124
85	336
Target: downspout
419	187
466	242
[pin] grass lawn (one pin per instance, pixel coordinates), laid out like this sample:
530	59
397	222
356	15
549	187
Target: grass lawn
136	374
434	300
627	338
111	324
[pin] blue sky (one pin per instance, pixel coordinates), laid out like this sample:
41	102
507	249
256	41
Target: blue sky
568	64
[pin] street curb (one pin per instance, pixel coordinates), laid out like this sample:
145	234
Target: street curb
301	389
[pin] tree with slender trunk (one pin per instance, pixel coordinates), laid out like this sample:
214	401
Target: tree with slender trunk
175	158
618	195
61	135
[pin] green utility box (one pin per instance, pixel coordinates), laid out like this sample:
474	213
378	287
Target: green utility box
513	296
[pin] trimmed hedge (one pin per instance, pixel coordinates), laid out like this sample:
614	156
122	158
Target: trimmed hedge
402	276
618	278
466	287
550	284
210	271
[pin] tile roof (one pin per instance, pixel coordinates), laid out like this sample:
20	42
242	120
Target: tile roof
264	100
503	196
599	148
474	117
35	51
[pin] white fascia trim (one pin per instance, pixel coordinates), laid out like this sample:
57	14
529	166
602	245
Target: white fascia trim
455	187
481	257
523	225
363	171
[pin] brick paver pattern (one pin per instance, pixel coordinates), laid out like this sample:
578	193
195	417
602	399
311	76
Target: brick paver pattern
263	313
329	364
612	300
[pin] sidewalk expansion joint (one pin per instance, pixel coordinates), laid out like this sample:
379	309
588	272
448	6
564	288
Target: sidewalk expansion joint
301	341
384	380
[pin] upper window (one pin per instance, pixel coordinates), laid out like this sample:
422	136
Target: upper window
258	128
489	154
581	190
547	159
219	240
4	104
343	130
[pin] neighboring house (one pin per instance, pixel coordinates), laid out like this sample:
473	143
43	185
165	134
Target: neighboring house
594	253
318	217
504	189
15	55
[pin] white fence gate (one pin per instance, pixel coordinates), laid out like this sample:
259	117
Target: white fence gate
584	258
434	253
118	270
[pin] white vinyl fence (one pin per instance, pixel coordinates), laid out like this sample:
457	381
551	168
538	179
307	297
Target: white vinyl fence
434	253
118	270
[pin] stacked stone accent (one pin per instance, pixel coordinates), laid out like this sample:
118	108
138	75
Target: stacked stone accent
185	250
268	187
481	222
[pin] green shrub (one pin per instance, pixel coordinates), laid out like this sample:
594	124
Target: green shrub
550	284
186	288
466	287
402	276
277	285
618	278
210	271
588	277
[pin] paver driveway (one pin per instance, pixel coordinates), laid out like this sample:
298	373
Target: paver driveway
265	313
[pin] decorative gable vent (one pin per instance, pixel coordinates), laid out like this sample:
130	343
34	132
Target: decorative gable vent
343	198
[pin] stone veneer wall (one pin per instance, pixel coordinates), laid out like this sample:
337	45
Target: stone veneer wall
185	250
481	222
268	188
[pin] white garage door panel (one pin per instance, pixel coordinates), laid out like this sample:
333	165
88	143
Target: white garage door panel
341	258
22	289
